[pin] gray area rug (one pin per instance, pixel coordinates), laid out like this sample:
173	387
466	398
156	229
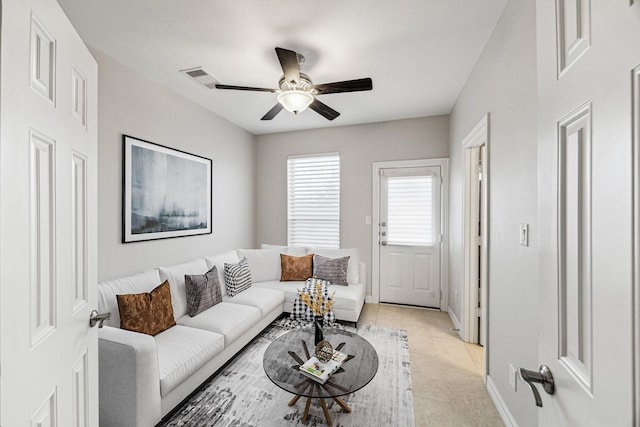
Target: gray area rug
241	395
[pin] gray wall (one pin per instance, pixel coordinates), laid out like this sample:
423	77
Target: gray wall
503	84
131	104
359	146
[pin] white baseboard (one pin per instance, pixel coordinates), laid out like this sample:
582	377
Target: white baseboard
455	321
368	299
501	406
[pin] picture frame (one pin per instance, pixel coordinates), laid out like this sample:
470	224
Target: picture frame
166	192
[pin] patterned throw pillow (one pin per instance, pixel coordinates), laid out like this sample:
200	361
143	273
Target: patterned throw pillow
148	313
203	291
296	268
333	270
237	277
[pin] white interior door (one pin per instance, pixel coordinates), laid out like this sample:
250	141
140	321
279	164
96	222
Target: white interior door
48	220
410	236
587	52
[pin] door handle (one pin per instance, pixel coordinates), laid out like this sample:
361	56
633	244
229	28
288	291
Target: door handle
384	233
383	224
98	318
383	243
542	376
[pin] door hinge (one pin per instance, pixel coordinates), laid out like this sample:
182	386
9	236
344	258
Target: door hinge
477	310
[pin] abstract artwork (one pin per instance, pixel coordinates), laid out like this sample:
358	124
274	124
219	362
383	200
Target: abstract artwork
166	192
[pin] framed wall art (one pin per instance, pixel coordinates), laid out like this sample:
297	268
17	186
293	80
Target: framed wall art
166	192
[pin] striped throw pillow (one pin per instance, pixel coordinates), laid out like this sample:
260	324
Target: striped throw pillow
237	277
333	270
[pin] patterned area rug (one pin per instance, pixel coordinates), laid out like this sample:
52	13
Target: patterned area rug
242	395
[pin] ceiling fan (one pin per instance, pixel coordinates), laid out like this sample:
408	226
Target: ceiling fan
297	91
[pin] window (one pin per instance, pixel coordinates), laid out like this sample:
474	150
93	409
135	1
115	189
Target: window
410	210
314	200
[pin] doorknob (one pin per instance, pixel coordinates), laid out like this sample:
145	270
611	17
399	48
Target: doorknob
383	224
95	317
542	376
383	243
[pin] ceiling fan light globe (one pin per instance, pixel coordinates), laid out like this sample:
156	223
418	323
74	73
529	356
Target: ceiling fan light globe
295	101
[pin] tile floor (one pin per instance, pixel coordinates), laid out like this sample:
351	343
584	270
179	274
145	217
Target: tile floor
446	373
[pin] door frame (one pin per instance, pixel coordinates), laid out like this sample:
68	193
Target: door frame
635	123
443	163
477	137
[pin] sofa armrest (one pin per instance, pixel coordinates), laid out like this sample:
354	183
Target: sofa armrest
362	273
129	379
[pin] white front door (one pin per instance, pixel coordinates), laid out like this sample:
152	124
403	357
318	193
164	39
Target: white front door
48	220
587	54
410	236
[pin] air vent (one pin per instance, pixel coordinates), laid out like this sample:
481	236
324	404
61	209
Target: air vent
201	76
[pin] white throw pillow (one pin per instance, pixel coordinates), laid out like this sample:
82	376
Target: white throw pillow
264	263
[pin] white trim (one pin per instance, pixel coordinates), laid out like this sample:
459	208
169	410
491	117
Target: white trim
501	405
454	319
443	163
636	243
477	137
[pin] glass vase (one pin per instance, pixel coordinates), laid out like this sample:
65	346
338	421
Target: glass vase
318	322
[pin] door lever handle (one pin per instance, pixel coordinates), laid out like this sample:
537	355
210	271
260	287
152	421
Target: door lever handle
542	376
95	318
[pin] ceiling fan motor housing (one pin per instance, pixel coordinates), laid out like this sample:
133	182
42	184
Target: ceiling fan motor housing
304	84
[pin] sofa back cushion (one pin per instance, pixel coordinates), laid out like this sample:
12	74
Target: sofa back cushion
289	250
265	263
175	275
353	269
219	260
107	291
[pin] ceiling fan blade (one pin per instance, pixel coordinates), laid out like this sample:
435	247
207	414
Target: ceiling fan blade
345	86
289	63
255	89
324	110
273	112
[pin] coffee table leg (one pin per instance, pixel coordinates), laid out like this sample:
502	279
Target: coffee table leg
306	410
326	412
342	404
294	400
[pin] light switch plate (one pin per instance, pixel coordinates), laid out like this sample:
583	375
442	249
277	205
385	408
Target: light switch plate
524	234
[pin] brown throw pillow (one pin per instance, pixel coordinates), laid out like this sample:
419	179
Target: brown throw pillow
147	313
296	268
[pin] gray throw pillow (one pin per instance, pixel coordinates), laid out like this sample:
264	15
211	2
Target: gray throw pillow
237	277
203	291
333	270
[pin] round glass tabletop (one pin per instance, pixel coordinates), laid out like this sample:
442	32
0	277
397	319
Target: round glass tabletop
284	355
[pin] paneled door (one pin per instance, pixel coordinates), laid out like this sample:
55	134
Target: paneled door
48	220
410	235
588	74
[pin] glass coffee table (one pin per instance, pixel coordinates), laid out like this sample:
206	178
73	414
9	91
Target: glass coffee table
284	355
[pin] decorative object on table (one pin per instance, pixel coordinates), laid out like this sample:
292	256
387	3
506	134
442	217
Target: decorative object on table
319	304
319	370
166	192
324	351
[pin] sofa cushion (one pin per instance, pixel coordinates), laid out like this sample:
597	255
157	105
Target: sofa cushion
230	320
353	269
219	260
295	268
149	312
264	299
333	270
289	250
107	291
182	351
264	263
237	277
203	291
175	275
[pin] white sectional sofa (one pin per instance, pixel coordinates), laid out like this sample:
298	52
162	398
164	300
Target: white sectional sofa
143	377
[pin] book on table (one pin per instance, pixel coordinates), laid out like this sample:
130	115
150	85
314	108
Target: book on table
321	371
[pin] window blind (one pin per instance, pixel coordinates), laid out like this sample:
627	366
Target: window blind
313	187
410	210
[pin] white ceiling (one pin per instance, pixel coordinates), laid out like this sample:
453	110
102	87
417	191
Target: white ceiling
419	53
